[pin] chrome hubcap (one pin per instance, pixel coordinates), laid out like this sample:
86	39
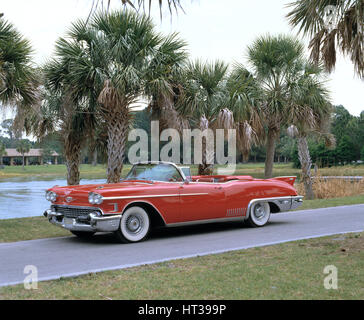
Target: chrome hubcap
133	224
259	211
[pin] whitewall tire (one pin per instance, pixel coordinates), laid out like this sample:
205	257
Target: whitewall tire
259	214
134	225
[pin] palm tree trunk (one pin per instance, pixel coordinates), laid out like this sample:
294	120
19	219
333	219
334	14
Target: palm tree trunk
206	167
72	151
94	157
116	114
117	135
305	160
270	148
23	162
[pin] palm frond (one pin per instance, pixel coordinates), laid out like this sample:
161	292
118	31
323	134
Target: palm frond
18	77
331	25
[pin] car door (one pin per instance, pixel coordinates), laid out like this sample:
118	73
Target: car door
202	201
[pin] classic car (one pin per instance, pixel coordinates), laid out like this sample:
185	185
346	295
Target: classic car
164	194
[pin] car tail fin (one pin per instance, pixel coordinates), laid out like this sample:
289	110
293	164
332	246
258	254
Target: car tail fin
289	180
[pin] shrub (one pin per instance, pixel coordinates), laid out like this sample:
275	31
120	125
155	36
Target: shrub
333	188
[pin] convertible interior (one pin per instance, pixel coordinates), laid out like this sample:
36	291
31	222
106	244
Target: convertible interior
220	178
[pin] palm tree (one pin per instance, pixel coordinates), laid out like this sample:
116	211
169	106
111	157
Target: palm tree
309	112
2	153
331	26
98	142
18	80
245	99
110	62
23	147
59	112
135	49
274	59
141	4
204	97
163	83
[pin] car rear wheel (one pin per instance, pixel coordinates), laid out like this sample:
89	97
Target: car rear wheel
134	225
259	214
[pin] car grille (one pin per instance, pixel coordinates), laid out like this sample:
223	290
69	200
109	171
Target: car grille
74	212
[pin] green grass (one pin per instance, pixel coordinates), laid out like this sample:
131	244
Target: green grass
12	230
55	171
286	271
332	202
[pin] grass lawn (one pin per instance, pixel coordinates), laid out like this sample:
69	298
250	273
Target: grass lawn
332	202
286	271
12	230
57	171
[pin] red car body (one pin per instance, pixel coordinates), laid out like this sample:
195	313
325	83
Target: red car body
178	201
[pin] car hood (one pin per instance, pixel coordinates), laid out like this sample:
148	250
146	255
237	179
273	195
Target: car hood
101	188
78	195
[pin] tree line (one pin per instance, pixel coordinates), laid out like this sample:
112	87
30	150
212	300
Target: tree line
107	62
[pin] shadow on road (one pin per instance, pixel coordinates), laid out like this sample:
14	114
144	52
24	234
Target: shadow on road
175	232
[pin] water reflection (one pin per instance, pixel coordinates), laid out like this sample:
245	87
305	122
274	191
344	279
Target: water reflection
20	197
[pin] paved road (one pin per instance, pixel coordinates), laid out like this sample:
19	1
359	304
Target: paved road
70	256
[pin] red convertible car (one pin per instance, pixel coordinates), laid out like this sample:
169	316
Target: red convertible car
164	194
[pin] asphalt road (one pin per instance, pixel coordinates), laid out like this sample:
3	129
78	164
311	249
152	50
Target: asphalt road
70	256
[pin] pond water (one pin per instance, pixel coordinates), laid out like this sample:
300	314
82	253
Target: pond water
21	197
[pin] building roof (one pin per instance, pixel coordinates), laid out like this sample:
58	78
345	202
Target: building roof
31	153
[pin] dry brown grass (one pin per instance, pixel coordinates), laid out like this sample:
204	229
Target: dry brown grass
333	188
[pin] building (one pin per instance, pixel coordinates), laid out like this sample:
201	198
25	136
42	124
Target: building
11	154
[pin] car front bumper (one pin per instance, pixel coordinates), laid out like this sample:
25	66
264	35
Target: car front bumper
94	222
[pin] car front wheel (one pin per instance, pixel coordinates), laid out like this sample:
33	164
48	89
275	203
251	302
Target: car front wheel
134	225
259	214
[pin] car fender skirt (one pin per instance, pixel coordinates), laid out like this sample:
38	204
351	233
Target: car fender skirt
279	204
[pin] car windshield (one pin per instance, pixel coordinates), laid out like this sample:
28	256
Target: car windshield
154	172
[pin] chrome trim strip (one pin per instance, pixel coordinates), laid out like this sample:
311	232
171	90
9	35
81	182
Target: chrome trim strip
111	217
154	196
77	207
187	223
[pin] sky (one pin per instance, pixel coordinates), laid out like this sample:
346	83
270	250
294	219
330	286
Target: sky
213	29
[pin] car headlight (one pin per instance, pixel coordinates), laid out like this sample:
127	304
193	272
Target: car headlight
51	196
94	198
